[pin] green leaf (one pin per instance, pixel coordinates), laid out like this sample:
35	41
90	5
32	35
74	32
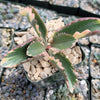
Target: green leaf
35	49
63	41
39	25
68	72
16	56
80	25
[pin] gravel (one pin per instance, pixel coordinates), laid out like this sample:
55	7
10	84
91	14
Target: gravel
95	62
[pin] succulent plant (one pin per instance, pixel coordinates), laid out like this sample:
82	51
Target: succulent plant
62	39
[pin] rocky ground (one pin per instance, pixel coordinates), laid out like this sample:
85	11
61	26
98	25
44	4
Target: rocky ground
15	85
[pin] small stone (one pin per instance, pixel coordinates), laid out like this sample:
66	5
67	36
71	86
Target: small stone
33	69
73	52
20	33
38	71
51	92
38	78
47	70
15	10
6	94
27	66
67	51
9	16
21	98
24	38
1	17
45	64
19	42
30	87
22	26
34	62
19	92
53	70
77	49
46	58
38	65
32	78
4	89
71	58
43	75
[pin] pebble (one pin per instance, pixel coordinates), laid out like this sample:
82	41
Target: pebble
1	17
6	94
19	92
30	86
9	16
15	10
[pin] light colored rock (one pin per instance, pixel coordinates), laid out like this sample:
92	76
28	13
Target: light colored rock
56	69
32	78
36	75
40	59
39	70
77	49
67	51
26	66
47	70
33	69
53	70
34	62
43	75
46	58
20	33
29	36
19	42
38	65
32	32
38	78
29	75
45	64
71	58
24	38
17	39
73	52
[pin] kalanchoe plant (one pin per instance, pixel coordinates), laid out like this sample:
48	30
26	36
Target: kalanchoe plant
62	39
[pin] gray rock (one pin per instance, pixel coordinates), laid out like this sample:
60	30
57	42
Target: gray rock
30	86
2	11
0	90
19	92
15	10
1	17
17	97
4	7
4	88
8	11
22	26
21	98
6	94
9	16
98	2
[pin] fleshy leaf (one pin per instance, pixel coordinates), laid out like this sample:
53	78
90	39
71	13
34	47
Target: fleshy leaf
68	72
35	49
63	41
39	25
80	25
16	56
